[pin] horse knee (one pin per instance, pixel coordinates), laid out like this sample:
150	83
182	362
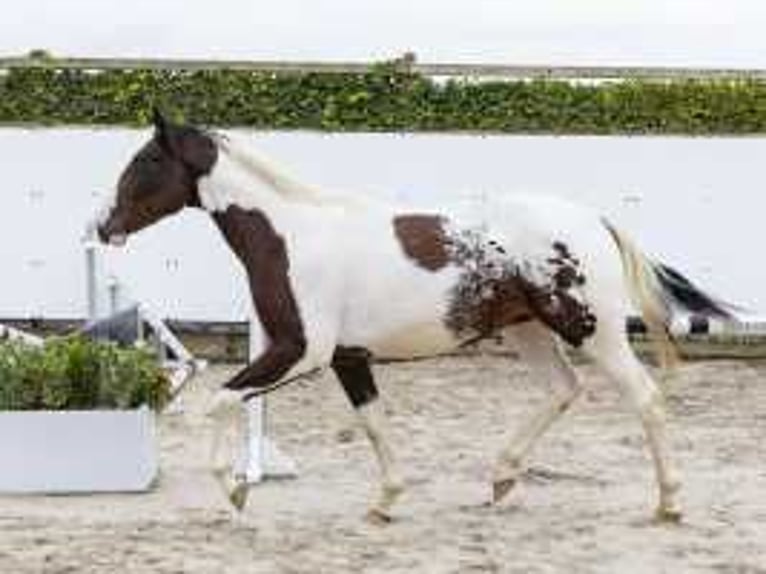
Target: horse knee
225	403
292	350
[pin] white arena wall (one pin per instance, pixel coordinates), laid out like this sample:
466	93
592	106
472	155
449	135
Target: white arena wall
698	204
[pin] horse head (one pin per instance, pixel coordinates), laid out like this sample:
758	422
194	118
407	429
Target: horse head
160	179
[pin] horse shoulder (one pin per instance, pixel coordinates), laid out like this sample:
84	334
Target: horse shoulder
315	247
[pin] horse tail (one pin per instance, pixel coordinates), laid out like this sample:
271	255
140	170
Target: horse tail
688	296
646	293
656	289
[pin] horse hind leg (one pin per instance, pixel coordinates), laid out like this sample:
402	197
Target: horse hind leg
541	349
352	367
613	354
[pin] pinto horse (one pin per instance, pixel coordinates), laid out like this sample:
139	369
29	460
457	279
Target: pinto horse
337	280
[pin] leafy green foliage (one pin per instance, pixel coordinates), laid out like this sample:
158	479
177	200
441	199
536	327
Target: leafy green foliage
78	374
383	99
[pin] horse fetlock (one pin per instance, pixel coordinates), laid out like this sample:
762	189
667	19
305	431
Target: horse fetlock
391	492
669	505
220	469
508	467
566	401
670	488
380	513
219	465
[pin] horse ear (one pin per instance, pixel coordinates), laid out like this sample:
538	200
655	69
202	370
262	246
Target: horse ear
161	128
158	119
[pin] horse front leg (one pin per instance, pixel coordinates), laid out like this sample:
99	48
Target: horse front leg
352	367
228	411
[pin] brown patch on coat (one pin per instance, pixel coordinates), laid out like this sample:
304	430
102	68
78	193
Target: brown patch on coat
423	239
352	367
262	251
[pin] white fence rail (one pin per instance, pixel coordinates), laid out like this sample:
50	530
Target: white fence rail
508	71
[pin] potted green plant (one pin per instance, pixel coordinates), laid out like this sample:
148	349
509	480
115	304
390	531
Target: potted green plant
78	416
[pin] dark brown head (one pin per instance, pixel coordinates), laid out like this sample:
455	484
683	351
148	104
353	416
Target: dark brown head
160	179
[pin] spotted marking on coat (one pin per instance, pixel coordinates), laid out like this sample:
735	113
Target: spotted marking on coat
558	302
494	289
489	294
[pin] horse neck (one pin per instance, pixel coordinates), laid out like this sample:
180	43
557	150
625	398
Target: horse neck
229	185
258	179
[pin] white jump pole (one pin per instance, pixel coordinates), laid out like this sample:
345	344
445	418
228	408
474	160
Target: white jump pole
264	459
91	281
256	430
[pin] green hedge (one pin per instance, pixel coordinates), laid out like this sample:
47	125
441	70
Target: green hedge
77	374
383	99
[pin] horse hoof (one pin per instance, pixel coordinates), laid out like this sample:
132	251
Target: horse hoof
238	496
378	517
502	487
668	515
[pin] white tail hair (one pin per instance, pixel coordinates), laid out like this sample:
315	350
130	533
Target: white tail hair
647	294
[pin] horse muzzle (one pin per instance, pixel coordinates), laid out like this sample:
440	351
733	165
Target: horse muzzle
111	232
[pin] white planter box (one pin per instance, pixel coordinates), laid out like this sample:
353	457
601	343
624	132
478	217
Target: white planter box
77	451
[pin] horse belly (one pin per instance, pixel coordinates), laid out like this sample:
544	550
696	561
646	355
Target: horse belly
412	341
400	316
